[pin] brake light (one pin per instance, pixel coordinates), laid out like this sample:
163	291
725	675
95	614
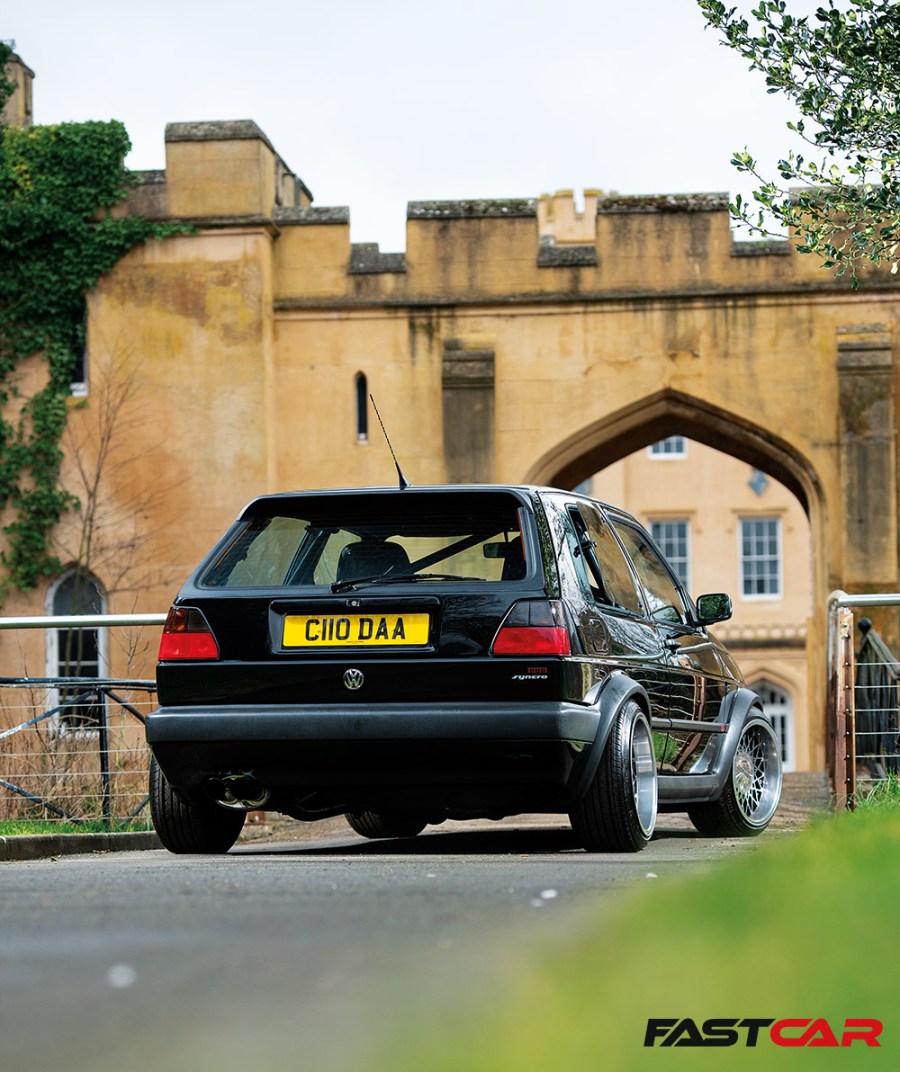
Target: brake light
533	627
186	635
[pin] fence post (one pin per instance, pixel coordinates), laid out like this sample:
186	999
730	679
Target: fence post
845	713
103	744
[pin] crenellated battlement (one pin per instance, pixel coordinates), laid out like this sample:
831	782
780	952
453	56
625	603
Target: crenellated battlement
561	222
225	175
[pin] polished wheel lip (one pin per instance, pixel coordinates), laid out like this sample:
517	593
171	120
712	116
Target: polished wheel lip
756	774
644	785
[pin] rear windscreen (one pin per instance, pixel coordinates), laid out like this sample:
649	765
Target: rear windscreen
353	539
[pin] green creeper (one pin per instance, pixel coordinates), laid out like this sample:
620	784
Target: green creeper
58	185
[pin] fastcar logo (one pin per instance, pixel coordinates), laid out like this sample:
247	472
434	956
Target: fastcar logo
736	1032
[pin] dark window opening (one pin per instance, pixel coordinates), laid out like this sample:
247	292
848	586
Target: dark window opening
362	407
78	653
78	377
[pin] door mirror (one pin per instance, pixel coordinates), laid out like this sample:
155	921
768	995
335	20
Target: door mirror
713	607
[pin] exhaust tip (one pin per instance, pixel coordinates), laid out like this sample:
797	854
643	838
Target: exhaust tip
240	791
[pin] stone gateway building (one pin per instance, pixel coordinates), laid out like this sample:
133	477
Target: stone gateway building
520	340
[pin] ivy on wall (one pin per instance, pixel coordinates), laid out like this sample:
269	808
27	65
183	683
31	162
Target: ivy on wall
58	185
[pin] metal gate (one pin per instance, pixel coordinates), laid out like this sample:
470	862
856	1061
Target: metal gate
863	706
73	749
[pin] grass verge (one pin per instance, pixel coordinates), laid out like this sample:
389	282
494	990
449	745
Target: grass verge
804	927
884	794
19	827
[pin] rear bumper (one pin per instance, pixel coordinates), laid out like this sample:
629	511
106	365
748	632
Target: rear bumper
236	723
447	758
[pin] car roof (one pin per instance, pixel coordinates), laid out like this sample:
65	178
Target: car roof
522	491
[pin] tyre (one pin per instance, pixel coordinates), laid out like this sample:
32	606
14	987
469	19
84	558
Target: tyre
618	812
386	824
752	790
190	828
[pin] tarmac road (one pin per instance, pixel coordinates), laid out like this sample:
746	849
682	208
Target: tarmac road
302	955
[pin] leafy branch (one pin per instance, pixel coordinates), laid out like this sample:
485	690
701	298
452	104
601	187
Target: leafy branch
841	71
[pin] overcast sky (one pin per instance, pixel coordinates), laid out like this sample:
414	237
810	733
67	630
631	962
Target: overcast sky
374	103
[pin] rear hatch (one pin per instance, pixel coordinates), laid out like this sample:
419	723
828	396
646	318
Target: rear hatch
405	590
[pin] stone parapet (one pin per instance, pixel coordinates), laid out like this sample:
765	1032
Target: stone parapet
643	203
227	168
762	636
367	259
311	215
218	130
775	248
512	207
552	256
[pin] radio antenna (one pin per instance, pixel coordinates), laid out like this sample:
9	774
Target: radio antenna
404	483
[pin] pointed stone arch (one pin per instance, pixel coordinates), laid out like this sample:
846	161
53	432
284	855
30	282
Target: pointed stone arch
669	412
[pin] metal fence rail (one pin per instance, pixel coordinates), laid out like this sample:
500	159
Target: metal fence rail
81	760
877	702
72	749
863	714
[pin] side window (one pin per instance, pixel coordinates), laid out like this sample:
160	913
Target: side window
575	543
664	600
610	578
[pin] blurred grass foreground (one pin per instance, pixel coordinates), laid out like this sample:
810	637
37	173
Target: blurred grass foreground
802	928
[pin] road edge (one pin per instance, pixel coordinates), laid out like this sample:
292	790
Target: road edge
41	846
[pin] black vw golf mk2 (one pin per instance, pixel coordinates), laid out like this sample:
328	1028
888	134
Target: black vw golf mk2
402	657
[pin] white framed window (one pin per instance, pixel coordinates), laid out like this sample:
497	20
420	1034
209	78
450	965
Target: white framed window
674	539
778	705
760	557
673	447
76	653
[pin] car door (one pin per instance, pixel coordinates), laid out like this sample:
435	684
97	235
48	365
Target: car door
615	625
696	686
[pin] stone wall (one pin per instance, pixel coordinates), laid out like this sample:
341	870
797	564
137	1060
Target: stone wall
506	342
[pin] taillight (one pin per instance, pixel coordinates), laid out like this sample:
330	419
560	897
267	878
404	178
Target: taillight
186	635
533	627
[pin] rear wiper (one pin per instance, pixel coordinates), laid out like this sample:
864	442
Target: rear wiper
396	578
344	586
433	577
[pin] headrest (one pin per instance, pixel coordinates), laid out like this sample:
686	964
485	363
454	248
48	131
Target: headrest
371	558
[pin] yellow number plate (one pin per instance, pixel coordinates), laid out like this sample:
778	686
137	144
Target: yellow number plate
355	630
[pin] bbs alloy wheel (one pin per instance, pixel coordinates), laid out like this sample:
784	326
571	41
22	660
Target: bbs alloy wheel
752	790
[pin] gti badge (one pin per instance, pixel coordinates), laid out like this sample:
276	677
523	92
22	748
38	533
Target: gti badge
353	679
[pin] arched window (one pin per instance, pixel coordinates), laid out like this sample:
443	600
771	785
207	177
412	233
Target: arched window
362	408
780	708
76	653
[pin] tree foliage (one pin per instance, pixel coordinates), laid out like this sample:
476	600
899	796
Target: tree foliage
58	185
841	68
